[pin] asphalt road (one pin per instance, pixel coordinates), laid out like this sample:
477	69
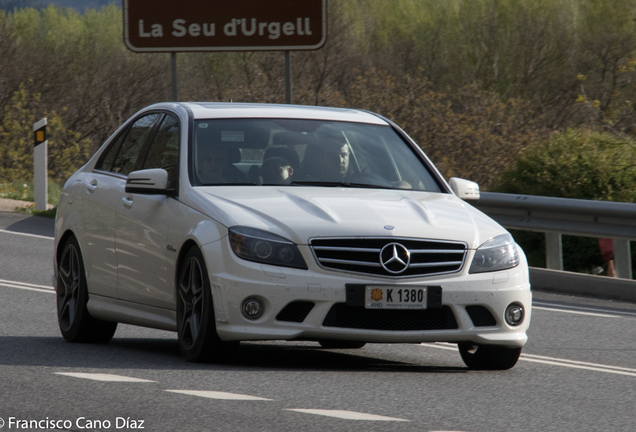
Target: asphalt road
577	373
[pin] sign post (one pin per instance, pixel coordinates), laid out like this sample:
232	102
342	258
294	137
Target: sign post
223	25
40	162
288	83
173	70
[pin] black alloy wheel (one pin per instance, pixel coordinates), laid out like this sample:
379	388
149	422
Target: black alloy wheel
196	326
488	357
76	323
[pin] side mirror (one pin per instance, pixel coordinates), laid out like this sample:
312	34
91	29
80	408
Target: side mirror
464	189
150	181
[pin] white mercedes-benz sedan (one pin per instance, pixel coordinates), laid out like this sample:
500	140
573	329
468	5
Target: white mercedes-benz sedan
230	222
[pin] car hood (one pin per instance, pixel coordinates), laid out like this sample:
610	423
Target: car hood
301	213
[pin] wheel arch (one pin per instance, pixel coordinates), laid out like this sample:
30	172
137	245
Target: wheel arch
60	245
185	247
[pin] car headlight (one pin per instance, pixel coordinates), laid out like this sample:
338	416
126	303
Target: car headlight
261	246
498	253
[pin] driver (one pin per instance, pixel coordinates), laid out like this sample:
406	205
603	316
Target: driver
331	162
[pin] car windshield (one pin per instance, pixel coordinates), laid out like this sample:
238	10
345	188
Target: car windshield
288	152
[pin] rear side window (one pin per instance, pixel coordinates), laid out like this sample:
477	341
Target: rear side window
164	150
129	152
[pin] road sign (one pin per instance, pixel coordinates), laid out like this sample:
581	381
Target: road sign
224	25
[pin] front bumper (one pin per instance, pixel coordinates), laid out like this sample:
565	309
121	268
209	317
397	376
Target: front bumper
318	290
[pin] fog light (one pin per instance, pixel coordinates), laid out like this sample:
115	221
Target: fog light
514	314
252	308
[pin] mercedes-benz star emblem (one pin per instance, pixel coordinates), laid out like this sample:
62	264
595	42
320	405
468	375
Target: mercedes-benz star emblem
395	258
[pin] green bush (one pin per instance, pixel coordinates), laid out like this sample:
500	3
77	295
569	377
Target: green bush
578	164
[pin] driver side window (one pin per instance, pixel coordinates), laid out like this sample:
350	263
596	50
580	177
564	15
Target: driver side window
133	143
164	150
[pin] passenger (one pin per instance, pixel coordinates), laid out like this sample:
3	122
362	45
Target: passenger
215	166
276	170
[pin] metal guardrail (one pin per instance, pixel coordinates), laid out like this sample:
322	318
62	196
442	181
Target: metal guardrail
557	216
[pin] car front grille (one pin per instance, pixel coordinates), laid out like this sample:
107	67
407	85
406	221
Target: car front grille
363	255
355	317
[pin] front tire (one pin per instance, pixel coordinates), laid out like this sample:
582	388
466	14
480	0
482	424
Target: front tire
196	326
76	323
488	357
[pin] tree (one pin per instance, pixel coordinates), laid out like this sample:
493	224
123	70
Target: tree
66	150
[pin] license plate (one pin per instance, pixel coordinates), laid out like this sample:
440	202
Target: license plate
392	297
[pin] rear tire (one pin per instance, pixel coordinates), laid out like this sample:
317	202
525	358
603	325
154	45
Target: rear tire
196	327
488	357
340	344
76	323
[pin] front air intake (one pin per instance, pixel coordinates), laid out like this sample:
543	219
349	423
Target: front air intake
295	311
356	317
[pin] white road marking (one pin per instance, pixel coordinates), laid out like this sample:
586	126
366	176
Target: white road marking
26	286
103	377
580	365
565	308
347	415
578	362
27	234
576	312
553	361
219	395
441	345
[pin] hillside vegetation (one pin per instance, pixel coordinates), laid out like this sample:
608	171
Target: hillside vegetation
476	83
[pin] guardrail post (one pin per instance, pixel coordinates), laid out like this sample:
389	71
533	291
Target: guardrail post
553	251
622	258
40	166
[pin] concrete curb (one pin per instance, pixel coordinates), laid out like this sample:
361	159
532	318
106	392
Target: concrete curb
9	205
583	284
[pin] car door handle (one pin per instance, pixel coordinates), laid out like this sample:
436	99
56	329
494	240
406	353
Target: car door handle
127	201
91	187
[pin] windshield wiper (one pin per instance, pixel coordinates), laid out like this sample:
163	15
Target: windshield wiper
338	184
230	184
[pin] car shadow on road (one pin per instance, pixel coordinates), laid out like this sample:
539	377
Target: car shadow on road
29	224
164	354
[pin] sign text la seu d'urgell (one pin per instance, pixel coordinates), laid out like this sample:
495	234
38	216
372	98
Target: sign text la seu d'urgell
224	25
237	26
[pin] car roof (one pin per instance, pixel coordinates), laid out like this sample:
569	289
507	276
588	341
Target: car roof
211	110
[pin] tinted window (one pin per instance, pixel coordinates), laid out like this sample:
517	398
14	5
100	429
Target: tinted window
134	142
164	151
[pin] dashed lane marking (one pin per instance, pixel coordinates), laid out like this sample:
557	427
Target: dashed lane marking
575	312
347	415
27	234
103	377
219	395
554	361
624	313
579	365
26	286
